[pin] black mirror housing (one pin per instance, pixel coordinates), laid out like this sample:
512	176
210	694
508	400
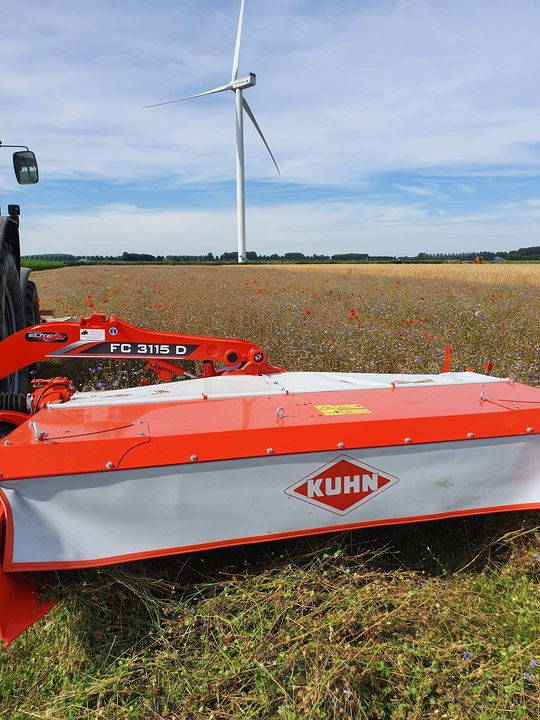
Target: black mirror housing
26	167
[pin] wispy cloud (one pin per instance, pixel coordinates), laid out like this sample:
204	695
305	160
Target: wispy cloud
420	190
361	89
397	229
346	93
466	188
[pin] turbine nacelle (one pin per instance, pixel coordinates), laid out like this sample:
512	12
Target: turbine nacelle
244	82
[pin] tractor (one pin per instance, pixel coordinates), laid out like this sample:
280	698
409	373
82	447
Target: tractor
19	304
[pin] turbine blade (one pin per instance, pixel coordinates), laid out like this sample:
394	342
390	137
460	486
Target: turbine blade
221	88
258	129
236	58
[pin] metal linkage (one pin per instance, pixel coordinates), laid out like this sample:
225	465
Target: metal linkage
99	336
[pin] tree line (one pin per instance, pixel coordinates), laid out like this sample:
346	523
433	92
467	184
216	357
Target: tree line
530	253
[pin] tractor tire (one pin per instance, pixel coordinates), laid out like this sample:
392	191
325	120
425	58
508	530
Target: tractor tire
31	307
33	317
12	314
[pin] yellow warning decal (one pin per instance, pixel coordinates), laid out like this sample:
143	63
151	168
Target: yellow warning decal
342	409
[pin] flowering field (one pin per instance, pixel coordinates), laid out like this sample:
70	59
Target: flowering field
434	620
369	318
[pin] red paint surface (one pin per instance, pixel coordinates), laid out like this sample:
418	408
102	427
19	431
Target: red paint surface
84	439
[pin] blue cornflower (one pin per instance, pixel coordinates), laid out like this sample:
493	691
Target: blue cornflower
528	676
533	663
467	655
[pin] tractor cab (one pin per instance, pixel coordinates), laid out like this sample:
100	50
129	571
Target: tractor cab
19	306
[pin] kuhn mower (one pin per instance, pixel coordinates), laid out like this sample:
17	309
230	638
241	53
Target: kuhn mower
242	453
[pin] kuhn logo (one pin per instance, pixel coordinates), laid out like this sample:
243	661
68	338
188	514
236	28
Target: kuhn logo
342	485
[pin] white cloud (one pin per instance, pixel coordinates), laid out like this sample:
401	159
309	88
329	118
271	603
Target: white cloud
329	227
344	89
346	92
466	188
422	190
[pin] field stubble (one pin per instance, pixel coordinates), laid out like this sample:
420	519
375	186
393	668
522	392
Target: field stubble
437	620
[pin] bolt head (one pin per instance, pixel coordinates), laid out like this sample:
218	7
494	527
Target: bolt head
407	440
341	445
109	465
194	458
470	435
270	451
530	429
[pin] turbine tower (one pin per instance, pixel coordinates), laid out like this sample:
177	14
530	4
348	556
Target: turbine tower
237	86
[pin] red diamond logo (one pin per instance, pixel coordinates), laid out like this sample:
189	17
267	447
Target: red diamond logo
341	485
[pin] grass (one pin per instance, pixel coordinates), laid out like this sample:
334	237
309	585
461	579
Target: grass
432	620
36	265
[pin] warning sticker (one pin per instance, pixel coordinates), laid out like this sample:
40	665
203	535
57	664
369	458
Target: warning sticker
343	409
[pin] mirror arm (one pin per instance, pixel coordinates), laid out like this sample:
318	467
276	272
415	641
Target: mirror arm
24	147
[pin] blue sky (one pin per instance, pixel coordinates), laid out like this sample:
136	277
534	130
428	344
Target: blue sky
400	126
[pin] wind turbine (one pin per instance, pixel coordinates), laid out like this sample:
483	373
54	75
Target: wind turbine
237	86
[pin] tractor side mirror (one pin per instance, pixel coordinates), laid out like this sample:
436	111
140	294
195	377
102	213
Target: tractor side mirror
26	168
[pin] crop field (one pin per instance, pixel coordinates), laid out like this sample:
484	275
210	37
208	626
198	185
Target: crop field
378	318
433	620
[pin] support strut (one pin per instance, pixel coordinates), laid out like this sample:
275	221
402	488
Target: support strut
99	336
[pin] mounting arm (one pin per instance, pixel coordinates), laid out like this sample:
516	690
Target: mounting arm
99	336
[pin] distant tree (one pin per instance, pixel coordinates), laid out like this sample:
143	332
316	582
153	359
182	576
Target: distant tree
137	257
54	257
351	257
530	253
